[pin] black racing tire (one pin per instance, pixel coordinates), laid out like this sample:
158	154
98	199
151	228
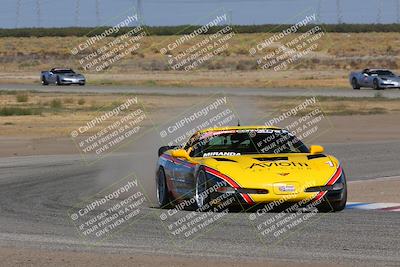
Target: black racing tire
44	82
355	84
58	81
334	206
162	189
82	84
202	198
376	85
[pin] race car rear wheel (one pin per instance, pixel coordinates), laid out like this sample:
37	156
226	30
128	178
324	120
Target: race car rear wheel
202	197
355	84
162	189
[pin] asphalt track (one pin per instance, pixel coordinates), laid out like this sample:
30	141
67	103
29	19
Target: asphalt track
288	92
36	193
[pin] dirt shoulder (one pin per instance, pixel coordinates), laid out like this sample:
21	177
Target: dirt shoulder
34	257
204	78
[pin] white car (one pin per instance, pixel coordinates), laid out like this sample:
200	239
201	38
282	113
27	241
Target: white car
374	78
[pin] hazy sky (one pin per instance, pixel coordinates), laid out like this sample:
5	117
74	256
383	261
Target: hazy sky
61	13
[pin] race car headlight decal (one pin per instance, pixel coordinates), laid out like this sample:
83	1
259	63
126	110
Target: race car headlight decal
337	186
226	190
253	191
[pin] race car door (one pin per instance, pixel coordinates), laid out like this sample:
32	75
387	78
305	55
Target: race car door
183	178
365	79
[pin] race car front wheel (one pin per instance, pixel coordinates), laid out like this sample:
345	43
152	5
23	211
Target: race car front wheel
202	196
376	84
58	81
162	189
334	206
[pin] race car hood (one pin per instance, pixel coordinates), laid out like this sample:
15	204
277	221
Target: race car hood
71	75
392	78
255	171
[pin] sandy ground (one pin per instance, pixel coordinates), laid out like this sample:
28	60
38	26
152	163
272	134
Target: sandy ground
33	257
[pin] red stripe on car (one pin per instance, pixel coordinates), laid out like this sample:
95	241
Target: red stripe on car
331	181
231	182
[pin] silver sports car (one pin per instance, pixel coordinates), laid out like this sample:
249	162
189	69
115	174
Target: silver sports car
60	76
374	78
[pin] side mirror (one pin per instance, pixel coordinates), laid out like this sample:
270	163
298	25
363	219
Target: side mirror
316	150
180	153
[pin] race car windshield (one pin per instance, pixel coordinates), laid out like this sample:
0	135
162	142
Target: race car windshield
248	142
382	73
63	71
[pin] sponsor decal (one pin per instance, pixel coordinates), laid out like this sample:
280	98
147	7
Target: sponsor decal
279	164
287	188
211	154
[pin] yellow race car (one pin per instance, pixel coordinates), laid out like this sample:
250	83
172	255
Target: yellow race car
256	164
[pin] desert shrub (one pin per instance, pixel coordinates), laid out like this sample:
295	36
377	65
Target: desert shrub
56	104
81	101
17	111
22	97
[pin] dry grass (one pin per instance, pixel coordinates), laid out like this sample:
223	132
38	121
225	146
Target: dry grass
60	121
73	113
328	66
216	78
